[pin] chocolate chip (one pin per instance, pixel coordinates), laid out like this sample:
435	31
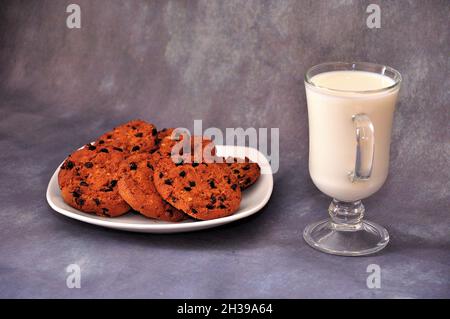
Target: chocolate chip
91	147
79	201
135	148
187	189
168	181
210	206
212	184
76	193
101	142
110	186
173	199
118	149
182	174
192	183
194	164
222	198
138	134
194	211
213	199
105	211
83	183
222	206
246	168
161	175
134	127
236	171
154	131
233	187
97	201
227	178
68	165
133	166
150	166
88	165
109	137
104	150
180	162
248	181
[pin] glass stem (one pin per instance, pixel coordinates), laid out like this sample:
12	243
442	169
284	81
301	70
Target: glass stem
346	216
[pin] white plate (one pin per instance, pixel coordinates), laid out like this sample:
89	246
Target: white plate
253	199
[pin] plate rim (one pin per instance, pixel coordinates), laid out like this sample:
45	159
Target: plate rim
169	227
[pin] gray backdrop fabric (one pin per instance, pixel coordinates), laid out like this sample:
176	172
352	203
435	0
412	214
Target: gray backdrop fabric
231	64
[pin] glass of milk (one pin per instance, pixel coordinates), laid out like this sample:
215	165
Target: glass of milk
350	113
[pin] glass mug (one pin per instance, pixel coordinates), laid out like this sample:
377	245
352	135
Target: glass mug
350	114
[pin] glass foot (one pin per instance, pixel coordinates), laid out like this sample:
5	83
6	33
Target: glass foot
367	239
346	233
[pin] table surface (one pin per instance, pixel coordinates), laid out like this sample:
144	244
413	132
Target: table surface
230	66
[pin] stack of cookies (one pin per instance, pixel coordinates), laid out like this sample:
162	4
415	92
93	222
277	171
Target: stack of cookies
135	167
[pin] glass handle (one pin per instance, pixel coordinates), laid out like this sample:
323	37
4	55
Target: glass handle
365	147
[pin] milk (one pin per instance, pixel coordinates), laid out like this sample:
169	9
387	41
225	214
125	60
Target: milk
332	136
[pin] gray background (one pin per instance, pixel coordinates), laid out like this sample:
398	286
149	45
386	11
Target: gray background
231	64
